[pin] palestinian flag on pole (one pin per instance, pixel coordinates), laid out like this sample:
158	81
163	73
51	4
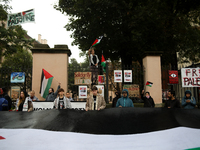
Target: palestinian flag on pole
149	84
97	41
46	80
103	63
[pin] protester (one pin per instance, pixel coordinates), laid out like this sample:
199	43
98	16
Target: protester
95	101
61	102
33	97
188	102
68	97
148	100
5	95
93	59
118	95
124	101
51	96
172	102
24	103
3	102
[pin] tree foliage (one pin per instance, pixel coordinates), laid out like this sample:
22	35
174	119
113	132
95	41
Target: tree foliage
12	39
132	27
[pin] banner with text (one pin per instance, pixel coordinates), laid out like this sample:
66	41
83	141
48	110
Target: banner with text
190	77
49	105
82	78
21	17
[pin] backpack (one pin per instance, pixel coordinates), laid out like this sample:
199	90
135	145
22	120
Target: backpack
3	104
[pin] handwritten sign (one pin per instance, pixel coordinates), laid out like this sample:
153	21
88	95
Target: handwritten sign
190	77
82	78
21	17
133	90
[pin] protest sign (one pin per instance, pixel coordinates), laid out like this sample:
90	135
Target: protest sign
117	76
133	89
21	17
82	91
190	77
82	78
127	75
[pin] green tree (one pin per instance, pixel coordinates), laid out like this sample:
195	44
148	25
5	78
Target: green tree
12	39
133	26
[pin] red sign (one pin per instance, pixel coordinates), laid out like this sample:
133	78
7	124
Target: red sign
173	77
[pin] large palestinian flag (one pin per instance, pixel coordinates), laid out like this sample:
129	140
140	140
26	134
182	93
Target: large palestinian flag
46	80
114	128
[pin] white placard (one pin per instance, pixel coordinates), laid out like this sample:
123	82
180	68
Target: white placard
190	77
117	76
82	91
127	75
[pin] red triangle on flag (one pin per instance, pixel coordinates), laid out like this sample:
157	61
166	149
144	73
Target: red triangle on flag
46	74
102	58
2	138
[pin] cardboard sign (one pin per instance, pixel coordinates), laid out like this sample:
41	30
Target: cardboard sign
173	77
82	78
133	89
117	76
127	75
190	77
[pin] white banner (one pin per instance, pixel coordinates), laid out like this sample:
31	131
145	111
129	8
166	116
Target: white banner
21	17
127	75
117	76
49	105
190	77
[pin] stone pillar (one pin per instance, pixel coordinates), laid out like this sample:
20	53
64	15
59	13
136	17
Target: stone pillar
53	60
152	67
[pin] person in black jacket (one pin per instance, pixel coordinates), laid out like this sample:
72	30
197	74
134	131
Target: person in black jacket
5	95
118	95
148	100
172	102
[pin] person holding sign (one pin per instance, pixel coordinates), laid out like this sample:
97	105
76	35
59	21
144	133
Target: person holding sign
148	100
95	101
124	101
172	102
188	102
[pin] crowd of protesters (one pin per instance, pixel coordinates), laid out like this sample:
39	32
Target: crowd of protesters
95	101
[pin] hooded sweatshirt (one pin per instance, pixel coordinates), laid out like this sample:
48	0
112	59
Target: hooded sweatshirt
192	103
125	101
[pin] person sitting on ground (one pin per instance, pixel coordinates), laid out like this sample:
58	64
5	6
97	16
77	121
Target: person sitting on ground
118	95
188	102
68	97
24	103
3	102
95	101
61	102
124	101
33	97
172	102
148	100
51	96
